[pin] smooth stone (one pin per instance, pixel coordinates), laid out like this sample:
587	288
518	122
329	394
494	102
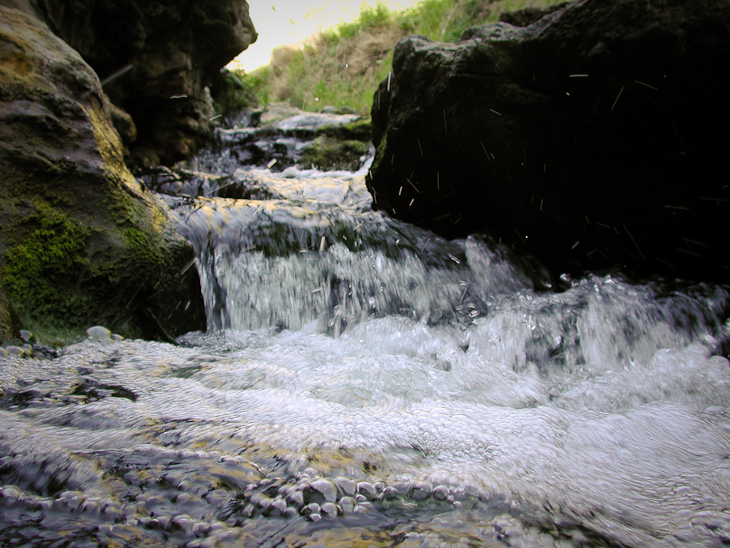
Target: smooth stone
389	493
329	509
278	505
440	492
347	504
296	499
421	490
367	490
345	485
289	512
99	333
26	335
314	517
13	350
325	488
311	508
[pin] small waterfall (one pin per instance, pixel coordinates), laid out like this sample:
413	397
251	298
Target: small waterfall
365	382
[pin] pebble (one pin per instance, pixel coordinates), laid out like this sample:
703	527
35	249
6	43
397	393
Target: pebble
278	505
18	351
421	490
296	499
346	486
329	509
289	512
99	333
367	490
321	489
347	504
440	492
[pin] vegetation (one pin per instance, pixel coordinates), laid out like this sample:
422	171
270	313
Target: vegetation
344	65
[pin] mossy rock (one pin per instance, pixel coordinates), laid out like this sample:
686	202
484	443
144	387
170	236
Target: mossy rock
81	243
359	130
328	154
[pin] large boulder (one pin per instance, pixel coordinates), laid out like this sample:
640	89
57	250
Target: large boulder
80	242
592	138
156	60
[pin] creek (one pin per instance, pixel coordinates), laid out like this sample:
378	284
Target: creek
364	382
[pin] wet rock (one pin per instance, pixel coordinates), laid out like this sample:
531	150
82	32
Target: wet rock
296	499
82	242
277	507
321	490
329	509
18	351
347	504
588	139
421	490
440	492
345	485
311	508
366	490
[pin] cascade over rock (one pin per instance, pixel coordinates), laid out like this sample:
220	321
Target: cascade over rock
164	53
592	138
80	242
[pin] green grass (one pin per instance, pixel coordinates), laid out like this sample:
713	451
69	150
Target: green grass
343	66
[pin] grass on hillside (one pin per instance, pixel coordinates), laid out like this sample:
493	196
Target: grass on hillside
343	66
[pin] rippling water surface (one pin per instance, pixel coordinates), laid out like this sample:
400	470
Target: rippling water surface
365	383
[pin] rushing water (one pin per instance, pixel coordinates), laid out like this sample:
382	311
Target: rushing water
366	383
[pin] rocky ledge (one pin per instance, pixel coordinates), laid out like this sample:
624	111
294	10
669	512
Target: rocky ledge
592	138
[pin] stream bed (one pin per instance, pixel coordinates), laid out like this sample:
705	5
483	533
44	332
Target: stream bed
363	382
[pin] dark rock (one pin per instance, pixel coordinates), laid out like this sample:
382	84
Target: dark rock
527	16
9	323
592	139
80	242
155	59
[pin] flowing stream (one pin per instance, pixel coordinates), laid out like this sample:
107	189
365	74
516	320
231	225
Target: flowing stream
363	382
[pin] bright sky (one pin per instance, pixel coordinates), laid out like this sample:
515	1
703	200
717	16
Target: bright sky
291	21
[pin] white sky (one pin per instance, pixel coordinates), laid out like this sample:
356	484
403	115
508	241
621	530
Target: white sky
291	21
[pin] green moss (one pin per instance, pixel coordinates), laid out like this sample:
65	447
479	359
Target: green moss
359	130
42	272
144	255
62	277
327	154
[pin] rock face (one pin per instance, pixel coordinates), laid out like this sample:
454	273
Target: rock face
163	54
80	242
592	138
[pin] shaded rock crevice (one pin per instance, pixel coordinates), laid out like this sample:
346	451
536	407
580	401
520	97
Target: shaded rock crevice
155	60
